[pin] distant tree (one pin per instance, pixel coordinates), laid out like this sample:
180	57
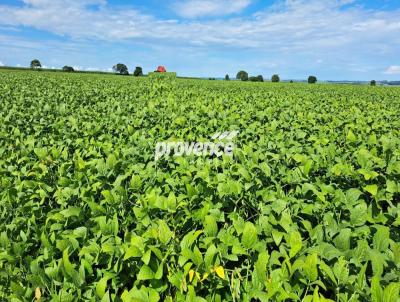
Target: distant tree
258	78
36	64
227	77
211	79
121	69
68	69
275	78
312	80
373	83
138	71
291	81
242	75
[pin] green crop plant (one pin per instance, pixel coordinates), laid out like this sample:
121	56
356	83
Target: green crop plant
164	75
307	209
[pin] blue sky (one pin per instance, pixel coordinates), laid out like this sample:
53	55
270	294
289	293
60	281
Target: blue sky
333	39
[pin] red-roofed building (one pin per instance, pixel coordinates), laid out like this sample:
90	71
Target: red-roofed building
161	69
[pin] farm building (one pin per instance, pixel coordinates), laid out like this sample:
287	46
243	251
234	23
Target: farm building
161	69
161	72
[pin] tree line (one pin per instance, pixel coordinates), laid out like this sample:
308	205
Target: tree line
242	75
117	68
123	70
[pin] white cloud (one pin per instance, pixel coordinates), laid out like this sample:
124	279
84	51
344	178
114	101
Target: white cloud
75	19
207	8
296	25
1	63
92	69
393	70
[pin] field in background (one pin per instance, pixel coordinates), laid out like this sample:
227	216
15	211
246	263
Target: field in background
308	209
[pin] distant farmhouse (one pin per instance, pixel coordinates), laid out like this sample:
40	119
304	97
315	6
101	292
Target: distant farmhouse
161	71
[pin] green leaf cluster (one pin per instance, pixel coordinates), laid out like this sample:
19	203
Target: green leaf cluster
307	209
